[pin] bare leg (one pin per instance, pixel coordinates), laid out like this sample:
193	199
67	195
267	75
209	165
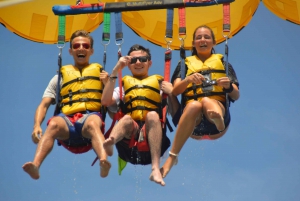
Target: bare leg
57	129
123	128
186	126
154	132
91	129
214	112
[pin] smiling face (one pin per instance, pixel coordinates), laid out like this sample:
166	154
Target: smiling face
139	69
81	51
203	42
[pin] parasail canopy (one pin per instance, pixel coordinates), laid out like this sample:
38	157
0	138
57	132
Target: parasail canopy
36	21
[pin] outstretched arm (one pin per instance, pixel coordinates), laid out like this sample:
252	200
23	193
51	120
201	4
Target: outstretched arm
39	117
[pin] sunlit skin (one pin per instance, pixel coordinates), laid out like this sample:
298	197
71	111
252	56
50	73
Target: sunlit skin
57	127
139	69
203	42
81	55
125	127
212	109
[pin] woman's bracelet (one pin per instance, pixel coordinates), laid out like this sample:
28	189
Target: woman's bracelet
230	88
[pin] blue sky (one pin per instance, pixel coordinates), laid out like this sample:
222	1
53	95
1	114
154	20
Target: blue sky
258	158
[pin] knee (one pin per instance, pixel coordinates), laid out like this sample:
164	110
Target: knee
54	128
193	108
53	124
126	120
90	125
205	100
152	116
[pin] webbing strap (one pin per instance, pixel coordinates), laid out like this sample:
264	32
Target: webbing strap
106	27
61	29
60	40
118	23
182	35
226	28
120	76
169	26
226	17
168	57
119	41
105	35
182	24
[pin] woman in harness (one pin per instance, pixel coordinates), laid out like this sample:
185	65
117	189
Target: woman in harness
204	88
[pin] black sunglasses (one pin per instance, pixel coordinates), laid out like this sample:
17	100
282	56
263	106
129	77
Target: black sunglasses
141	59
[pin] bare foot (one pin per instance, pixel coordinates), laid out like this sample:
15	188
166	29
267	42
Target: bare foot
32	170
217	119
104	168
156	177
108	146
171	160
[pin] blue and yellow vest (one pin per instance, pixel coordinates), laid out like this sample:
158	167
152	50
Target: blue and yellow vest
81	90
214	69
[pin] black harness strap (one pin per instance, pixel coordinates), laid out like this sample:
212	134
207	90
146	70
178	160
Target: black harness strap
80	100
81	79
142	98
81	91
142	86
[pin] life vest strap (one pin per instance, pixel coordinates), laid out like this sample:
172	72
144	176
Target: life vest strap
81	79
80	100
81	91
142	86
142	98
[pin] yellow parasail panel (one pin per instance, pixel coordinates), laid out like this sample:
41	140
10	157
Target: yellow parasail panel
285	9
34	20
151	24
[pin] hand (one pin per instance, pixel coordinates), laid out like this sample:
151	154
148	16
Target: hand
195	78
224	82
123	61
104	77
36	134
166	87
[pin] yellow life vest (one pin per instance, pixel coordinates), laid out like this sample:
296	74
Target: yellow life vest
141	96
81	90
212	69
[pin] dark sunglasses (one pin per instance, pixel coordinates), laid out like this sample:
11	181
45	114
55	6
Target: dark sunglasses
141	59
75	46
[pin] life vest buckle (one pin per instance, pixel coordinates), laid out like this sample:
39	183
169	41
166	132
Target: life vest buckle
83	90
83	99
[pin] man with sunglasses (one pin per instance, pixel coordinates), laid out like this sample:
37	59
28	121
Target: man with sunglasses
140	135
79	125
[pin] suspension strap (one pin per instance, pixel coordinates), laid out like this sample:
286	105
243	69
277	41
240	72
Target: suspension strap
119	41
105	35
226	33
169	28
60	44
168	56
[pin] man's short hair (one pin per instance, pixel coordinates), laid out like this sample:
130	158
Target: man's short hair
82	33
138	47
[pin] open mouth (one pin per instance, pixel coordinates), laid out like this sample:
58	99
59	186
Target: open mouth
80	55
204	45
